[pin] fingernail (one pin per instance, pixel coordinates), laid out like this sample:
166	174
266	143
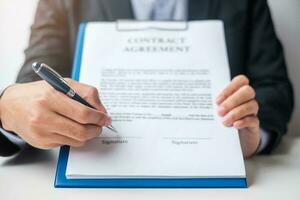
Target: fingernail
220	99
221	110
236	125
227	120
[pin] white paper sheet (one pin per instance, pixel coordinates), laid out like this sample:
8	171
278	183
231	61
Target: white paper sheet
159	86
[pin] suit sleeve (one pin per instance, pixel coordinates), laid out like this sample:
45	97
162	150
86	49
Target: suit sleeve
267	71
49	41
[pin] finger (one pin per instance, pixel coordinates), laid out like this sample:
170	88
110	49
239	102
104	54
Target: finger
78	112
48	146
247	109
235	84
73	130
58	139
89	93
247	122
42	145
43	141
244	94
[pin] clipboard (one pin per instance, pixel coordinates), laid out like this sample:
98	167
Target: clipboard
61	181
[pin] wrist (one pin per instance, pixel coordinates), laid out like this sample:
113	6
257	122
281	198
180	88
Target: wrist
2	93
250	142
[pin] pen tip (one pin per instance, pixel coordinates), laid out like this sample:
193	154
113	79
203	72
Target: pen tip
36	66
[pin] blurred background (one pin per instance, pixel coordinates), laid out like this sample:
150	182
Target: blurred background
16	16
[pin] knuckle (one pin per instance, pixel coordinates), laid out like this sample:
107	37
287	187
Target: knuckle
231	103
250	91
49	94
243	79
255	107
225	93
258	121
246	91
225	106
256	104
82	135
235	115
34	118
95	132
84	115
92	92
41	101
234	102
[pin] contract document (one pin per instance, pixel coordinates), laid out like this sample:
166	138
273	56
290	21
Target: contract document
158	82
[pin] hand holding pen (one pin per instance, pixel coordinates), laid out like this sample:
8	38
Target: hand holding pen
45	118
61	85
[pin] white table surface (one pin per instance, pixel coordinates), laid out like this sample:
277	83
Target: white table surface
30	175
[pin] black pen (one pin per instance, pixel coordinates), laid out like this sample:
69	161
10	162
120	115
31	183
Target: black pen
57	82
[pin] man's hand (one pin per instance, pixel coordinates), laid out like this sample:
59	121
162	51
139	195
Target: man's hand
238	107
46	118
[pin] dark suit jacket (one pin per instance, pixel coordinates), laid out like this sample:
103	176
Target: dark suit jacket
253	47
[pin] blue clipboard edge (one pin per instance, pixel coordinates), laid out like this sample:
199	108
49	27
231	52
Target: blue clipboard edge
78	51
62	182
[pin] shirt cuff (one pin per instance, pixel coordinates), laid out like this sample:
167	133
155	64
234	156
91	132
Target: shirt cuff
264	140
14	138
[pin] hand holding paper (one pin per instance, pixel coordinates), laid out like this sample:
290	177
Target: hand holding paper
238	107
